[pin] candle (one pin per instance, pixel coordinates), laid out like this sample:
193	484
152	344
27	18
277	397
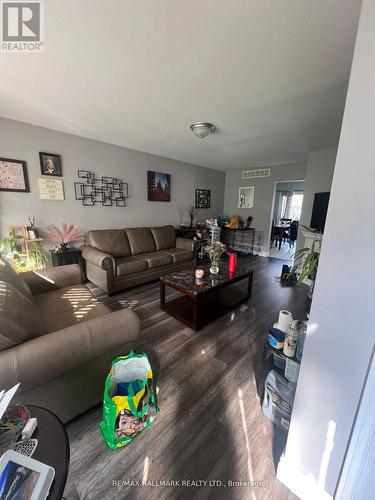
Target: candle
199	273
232	262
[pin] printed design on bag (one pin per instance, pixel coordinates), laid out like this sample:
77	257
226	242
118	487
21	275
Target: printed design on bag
127	424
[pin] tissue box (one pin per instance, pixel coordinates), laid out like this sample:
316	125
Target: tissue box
276	338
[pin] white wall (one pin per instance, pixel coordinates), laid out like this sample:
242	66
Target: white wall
341	337
319	174
23	142
263	195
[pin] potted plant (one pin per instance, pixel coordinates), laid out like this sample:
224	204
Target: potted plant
21	260
307	262
67	234
215	250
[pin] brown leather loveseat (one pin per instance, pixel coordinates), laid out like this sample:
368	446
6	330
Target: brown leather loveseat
121	258
57	339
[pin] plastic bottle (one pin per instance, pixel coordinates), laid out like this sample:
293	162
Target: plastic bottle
301	341
291	338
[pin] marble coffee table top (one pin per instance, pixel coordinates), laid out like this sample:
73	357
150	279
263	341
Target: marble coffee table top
186	280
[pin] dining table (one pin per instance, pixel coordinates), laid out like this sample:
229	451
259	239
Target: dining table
278	233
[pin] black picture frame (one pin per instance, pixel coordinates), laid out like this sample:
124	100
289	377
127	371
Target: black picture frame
158	186
5	177
203	198
50	164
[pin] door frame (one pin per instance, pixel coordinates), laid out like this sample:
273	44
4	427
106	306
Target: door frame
273	206
356	478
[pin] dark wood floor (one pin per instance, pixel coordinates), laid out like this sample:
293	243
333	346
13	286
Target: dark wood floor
210	425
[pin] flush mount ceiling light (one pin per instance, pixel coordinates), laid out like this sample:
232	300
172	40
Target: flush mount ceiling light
202	129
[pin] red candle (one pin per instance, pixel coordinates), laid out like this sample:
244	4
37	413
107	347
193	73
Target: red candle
232	263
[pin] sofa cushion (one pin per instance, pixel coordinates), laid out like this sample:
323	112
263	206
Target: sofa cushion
72	317
112	241
68	306
180	254
156	259
8	274
130	265
141	240
19	319
164	237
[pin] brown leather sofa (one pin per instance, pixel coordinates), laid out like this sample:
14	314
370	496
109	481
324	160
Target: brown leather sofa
117	259
57	340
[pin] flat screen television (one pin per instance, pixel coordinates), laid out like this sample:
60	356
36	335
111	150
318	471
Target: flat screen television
319	211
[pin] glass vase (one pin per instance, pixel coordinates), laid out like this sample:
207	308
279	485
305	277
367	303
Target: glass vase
214	268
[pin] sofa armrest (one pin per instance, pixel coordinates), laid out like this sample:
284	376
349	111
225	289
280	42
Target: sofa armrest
53	278
97	257
187	244
43	358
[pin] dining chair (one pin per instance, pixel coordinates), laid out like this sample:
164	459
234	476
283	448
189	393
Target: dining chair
293	232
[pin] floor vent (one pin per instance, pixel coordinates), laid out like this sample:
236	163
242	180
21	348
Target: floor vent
255	174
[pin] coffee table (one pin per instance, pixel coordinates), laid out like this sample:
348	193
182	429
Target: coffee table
202	301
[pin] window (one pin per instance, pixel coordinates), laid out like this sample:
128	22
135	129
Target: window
296	206
290	205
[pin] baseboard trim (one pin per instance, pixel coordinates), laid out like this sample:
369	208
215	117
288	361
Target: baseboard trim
299	483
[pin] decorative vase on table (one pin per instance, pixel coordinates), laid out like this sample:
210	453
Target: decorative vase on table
214	268
215	251
64	247
232	263
63	237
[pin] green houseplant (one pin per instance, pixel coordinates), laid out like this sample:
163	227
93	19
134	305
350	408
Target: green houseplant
307	261
20	260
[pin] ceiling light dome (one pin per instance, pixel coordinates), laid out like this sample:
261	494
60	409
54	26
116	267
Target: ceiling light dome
202	129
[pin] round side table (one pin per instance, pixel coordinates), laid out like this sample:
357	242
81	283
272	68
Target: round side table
53	447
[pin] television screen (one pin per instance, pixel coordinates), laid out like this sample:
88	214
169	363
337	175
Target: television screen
319	211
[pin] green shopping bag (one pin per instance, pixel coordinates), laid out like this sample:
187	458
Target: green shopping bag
129	404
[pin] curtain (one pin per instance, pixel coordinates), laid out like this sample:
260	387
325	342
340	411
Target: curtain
286	197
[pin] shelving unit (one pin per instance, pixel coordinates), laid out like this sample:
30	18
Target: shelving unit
26	241
268	364
239	240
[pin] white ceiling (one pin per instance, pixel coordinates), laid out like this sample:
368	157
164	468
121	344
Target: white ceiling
270	74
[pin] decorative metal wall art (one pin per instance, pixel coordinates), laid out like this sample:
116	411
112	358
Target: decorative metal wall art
105	190
202	198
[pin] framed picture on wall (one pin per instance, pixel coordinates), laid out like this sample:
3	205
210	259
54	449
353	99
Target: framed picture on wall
51	189
50	164
158	186
202	198
13	175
